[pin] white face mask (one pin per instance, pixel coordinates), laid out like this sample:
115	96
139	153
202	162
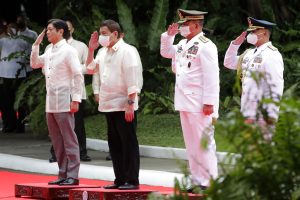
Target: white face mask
252	38
104	40
184	31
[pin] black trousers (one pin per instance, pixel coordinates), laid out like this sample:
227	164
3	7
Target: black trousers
79	130
8	91
123	147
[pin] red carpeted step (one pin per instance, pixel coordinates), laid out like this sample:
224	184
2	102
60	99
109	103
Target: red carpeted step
105	194
9	179
45	191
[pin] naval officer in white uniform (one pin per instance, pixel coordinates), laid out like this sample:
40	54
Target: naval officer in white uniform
195	63
261	72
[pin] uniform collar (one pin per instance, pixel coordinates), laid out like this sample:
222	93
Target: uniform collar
191	42
261	47
118	44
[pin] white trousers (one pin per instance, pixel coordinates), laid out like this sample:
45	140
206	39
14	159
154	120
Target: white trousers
198	133
267	130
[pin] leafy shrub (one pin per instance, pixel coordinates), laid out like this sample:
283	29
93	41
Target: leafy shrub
265	170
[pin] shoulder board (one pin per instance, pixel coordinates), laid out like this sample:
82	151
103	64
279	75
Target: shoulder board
203	39
272	47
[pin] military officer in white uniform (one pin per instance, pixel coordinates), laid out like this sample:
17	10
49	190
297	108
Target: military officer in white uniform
195	63
261	71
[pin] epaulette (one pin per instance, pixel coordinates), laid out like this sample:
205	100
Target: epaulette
272	47
203	39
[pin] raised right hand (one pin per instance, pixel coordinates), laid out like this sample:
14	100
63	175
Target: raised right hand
40	38
93	43
240	39
173	29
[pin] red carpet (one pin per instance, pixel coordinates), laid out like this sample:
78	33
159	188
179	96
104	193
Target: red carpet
9	179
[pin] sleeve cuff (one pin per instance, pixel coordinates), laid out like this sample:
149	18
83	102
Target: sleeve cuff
76	97
234	46
165	36
209	100
132	89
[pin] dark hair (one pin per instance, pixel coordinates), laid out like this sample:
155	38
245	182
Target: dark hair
60	24
3	26
112	26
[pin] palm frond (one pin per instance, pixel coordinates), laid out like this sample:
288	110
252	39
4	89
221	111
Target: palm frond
125	19
158	23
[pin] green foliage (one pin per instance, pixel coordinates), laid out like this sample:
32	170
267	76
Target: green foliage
161	99
33	85
158	23
37	118
31	95
265	170
91	107
84	22
156	104
228	104
154	130
126	21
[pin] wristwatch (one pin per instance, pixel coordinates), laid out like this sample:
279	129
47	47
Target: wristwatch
130	102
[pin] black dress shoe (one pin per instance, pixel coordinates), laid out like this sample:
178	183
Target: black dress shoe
52	160
112	186
85	158
128	186
57	182
70	181
8	130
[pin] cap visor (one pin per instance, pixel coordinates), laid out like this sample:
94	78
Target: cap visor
251	29
181	21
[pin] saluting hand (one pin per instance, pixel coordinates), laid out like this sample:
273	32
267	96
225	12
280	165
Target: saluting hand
240	39
40	38
93	43
173	29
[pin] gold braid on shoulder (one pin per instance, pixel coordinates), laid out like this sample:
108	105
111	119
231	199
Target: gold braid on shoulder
239	71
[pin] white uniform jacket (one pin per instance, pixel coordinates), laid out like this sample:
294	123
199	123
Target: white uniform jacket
195	64
262	77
